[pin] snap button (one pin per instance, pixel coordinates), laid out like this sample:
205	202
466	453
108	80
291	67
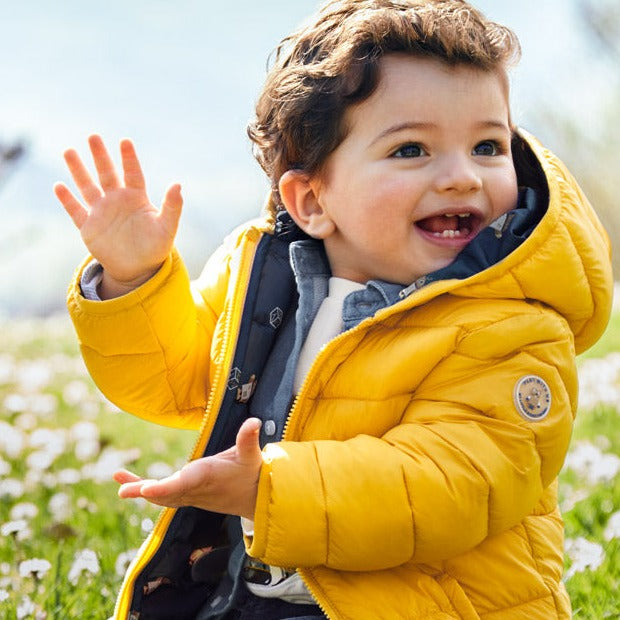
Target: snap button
270	428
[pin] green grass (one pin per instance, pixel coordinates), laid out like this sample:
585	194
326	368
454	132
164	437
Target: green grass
96	519
43	385
609	344
594	593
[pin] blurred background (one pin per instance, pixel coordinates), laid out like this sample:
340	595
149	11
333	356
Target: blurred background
181	79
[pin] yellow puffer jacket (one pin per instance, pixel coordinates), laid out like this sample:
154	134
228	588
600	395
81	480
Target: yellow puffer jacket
412	481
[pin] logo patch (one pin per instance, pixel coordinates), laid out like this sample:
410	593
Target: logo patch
234	380
532	398
275	317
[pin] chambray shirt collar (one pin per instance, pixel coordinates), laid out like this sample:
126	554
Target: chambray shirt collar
312	272
365	303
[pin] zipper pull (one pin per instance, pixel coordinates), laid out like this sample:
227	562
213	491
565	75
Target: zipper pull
501	224
419	283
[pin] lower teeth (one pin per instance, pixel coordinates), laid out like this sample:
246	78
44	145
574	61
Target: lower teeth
448	234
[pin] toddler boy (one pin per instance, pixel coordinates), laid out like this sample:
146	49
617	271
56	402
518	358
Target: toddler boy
389	350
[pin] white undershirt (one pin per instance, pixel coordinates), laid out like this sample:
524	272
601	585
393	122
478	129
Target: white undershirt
327	324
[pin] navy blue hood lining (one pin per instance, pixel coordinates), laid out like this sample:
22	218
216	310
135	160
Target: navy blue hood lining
494	243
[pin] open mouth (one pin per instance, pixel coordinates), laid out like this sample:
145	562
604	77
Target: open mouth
450	225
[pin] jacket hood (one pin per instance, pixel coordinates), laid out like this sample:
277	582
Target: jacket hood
565	262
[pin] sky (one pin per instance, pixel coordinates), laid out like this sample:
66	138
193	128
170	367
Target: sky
181	78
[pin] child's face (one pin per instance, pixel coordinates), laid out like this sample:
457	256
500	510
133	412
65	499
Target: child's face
425	166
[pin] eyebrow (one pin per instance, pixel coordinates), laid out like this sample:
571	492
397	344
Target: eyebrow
401	127
485	124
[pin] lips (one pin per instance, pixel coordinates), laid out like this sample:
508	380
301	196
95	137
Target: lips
451	225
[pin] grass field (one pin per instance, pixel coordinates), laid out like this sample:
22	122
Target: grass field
66	538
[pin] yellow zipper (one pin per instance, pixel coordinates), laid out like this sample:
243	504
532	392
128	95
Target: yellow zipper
306	573
231	330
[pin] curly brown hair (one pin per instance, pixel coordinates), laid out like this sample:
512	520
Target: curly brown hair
332	62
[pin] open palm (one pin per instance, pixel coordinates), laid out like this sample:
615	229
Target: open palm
226	482
119	225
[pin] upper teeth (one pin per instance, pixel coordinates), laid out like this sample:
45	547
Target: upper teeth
462	215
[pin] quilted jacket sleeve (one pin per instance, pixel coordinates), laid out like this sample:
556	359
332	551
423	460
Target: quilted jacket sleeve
149	351
460	465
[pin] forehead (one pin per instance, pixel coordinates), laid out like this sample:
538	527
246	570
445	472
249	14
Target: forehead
412	86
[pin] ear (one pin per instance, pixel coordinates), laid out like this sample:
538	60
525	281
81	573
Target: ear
300	195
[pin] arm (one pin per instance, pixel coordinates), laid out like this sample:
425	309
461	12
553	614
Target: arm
149	351
147	347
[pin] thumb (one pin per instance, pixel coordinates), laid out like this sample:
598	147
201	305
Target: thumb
172	206
248	447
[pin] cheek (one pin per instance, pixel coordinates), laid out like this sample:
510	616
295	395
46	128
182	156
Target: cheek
506	193
390	193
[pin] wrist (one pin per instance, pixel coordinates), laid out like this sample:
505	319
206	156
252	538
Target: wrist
110	287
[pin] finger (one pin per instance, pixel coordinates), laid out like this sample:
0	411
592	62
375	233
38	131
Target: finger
123	476
103	163
248	447
131	490
177	488
134	178
172	207
88	188
77	212
165	493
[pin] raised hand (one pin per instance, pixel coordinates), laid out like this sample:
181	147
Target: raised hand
129	236
226	482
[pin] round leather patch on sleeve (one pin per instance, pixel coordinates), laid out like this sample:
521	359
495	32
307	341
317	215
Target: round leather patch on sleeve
532	398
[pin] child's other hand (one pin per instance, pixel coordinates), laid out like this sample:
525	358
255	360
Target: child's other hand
129	236
226	482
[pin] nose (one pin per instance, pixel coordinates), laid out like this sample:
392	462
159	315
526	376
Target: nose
456	172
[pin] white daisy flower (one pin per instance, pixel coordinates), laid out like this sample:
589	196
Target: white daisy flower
12	440
583	554
84	561
41	460
123	561
12	528
25	608
15	403
24	510
34	375
69	476
591	464
11	487
159	470
75	392
35	567
7	368
60	506
5	467
612	530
